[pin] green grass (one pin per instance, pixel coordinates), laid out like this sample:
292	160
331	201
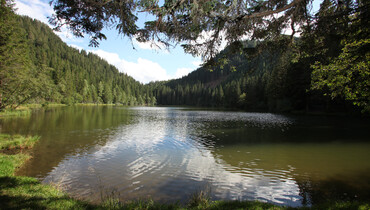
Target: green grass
15	113
27	193
244	205
14	142
9	163
37	106
19	192
25	110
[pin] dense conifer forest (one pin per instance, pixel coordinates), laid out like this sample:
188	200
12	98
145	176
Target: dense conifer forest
261	78
325	69
78	76
49	71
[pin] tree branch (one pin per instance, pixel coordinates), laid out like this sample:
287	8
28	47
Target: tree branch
270	12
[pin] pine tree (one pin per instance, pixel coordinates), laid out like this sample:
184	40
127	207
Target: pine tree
15	65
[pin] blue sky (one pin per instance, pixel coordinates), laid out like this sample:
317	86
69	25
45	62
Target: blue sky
143	63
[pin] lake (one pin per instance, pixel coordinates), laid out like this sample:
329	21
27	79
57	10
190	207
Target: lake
170	153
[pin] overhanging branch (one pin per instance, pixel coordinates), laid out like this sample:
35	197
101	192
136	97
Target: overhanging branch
270	12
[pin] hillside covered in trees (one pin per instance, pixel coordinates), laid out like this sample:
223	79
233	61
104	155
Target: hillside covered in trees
252	80
38	67
325	69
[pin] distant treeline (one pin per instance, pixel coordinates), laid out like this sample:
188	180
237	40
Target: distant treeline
325	69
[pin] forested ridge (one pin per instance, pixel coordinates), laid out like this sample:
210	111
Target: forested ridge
78	76
252	80
43	69
325	69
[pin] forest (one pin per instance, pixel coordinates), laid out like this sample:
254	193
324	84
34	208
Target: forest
229	149
38	67
325	69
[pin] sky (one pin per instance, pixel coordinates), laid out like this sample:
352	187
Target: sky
144	63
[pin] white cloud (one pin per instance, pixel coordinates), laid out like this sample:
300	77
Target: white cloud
76	47
152	45
287	30
143	70
205	36
67	36
183	72
197	63
35	9
40	10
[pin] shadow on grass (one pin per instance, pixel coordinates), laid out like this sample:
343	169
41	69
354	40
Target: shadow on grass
28	193
244	205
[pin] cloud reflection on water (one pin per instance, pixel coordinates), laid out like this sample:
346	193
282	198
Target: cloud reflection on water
164	151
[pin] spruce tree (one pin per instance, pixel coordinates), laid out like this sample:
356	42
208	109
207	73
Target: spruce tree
15	66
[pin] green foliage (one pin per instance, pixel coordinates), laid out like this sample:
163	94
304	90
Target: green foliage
21	79
15	68
185	22
331	58
59	73
252	86
282	84
337	48
347	75
15	113
89	17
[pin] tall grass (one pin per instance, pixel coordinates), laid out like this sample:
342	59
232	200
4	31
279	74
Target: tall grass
26	109
15	113
13	142
200	199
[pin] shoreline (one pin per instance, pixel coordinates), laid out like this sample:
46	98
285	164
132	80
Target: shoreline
27	109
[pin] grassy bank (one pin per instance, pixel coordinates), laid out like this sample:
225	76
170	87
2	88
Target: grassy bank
19	192
15	113
25	110
16	142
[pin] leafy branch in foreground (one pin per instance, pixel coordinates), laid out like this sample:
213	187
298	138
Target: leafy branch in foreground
202	26
346	76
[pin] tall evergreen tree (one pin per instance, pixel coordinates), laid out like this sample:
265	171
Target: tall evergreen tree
15	66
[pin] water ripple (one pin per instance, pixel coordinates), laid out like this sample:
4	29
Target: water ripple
168	154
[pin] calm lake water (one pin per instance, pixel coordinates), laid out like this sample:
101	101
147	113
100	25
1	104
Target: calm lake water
168	154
